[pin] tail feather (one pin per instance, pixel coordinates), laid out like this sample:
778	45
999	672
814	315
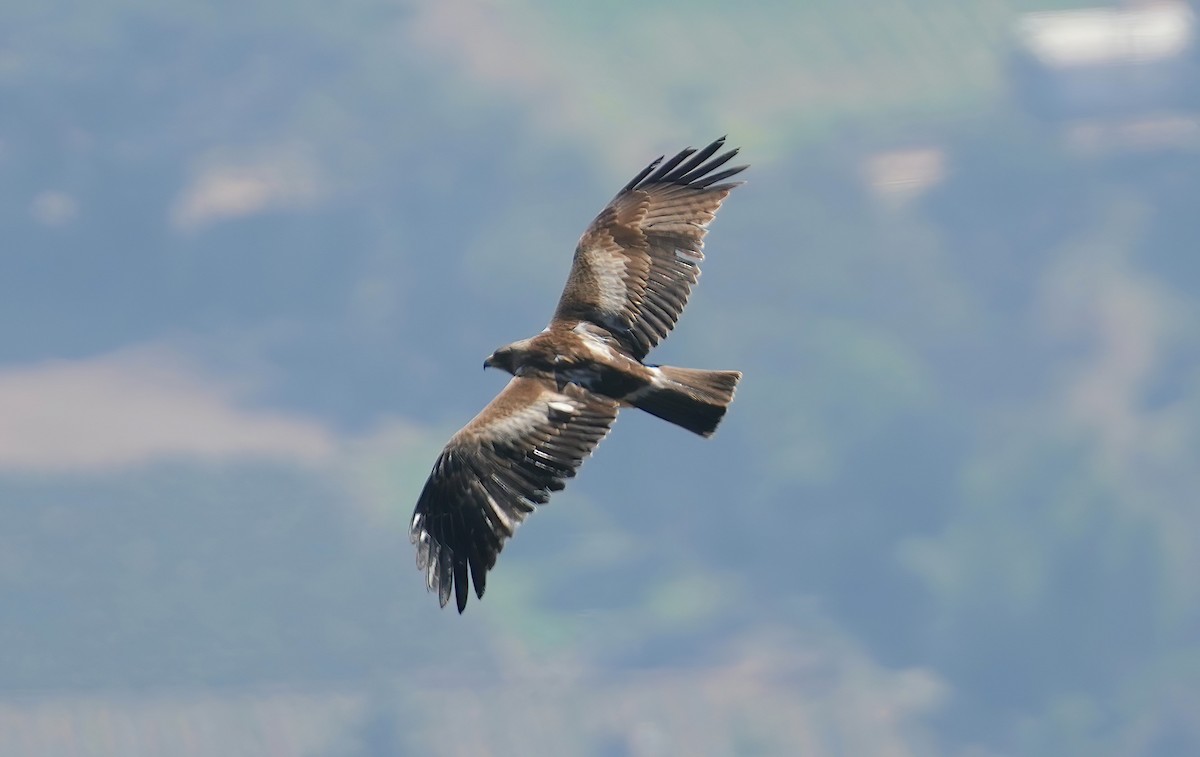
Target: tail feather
691	398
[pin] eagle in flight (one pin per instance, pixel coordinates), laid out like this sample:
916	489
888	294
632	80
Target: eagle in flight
633	270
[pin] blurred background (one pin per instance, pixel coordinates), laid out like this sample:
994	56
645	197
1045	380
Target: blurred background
255	252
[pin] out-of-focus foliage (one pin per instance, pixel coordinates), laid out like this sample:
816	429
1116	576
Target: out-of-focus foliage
952	511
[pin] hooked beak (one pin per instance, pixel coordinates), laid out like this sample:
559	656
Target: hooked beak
489	363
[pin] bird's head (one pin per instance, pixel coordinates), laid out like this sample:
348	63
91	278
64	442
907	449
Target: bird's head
502	359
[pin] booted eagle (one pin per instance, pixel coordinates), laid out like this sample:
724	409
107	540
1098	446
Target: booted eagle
633	270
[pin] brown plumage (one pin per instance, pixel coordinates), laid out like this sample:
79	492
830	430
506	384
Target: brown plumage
633	271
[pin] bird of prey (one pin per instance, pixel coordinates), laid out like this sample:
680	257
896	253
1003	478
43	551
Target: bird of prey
632	273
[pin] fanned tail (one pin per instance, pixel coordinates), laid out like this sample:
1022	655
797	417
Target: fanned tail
688	397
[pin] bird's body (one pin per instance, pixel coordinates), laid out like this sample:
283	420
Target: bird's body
632	273
584	354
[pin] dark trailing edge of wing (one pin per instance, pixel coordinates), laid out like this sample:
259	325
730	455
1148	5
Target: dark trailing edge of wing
458	532
689	168
456	527
461	532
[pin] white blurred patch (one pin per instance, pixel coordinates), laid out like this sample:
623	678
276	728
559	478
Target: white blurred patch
1091	36
905	174
137	406
224	188
52	208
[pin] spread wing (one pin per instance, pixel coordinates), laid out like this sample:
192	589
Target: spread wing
509	458
635	265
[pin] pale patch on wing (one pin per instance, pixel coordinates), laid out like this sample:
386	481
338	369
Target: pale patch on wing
609	270
517	423
507	523
598	347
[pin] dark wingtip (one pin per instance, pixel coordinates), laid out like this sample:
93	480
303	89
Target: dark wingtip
643	173
708	181
690	167
478	575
